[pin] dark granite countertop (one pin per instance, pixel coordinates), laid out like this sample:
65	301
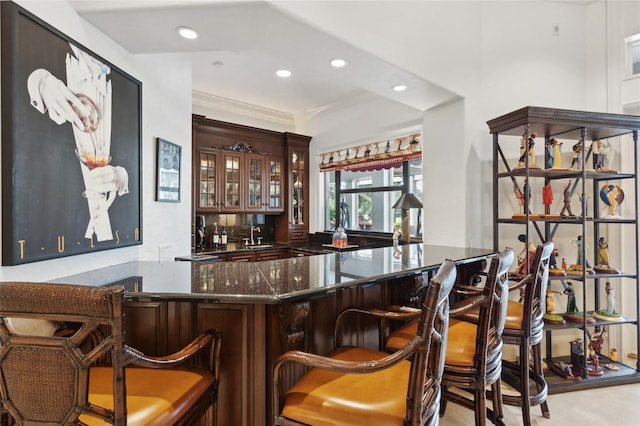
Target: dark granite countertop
272	281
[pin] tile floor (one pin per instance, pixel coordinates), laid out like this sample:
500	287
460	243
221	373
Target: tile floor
608	406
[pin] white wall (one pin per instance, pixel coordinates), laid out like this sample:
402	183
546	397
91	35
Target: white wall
166	88
497	56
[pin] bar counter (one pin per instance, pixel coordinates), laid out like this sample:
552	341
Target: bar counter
273	281
267	308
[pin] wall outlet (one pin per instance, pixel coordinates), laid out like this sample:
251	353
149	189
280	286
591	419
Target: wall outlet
164	252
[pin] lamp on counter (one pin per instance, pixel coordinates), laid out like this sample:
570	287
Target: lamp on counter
406	202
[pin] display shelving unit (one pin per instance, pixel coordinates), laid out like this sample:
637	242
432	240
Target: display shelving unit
570	127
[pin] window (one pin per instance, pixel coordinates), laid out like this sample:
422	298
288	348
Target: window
363	200
633	54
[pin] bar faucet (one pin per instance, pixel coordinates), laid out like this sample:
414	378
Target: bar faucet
253	228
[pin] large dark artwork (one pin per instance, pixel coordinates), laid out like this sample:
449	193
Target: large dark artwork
71	146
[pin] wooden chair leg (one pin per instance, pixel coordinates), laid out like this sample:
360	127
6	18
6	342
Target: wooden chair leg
443	401
538	371
481	406
524	382
496	399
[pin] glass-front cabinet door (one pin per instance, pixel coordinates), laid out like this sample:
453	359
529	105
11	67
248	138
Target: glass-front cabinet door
299	187
275	184
255	188
208	191
232	182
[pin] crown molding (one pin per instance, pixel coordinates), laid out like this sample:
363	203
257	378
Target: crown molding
236	107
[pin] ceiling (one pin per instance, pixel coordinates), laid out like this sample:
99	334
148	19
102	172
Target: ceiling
240	46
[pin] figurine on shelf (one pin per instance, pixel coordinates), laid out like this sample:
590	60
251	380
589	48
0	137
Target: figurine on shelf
547	199
605	154
525	257
526	149
555	159
567	202
521	198
598	156
610	313
550	306
613	357
571	299
572	313
581	261
612	196
576	160
564	370
584	204
597	339
553	266
577	360
603	258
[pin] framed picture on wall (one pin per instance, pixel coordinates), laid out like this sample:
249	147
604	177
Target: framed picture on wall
168	171
71	145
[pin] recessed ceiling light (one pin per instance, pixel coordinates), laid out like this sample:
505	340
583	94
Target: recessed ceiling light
399	88
338	63
187	33
283	73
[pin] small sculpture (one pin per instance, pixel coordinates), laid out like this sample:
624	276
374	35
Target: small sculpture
609	314
598	156
567	202
526	149
525	257
555	158
581	261
576	160
550	306
602	264
612	196
613	357
572	313
547	199
553	266
584	204
564	370
597	339
521	198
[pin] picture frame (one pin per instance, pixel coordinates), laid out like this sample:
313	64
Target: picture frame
168	161
71	177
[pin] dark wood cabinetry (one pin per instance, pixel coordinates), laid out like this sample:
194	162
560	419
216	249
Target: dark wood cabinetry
271	254
242	169
243	256
292	228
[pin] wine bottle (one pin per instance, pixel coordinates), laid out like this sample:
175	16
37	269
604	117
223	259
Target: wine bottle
223	237
216	236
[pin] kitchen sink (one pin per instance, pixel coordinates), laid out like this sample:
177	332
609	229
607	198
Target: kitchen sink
259	246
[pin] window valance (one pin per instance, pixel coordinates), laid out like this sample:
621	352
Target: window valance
374	156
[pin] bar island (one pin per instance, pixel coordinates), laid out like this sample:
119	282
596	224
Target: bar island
267	308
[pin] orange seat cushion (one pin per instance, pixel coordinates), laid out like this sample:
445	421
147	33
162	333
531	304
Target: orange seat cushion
515	311
513	321
154	396
322	397
461	343
401	336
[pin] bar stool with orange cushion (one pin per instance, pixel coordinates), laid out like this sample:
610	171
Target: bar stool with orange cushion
53	380
360	386
525	328
474	350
